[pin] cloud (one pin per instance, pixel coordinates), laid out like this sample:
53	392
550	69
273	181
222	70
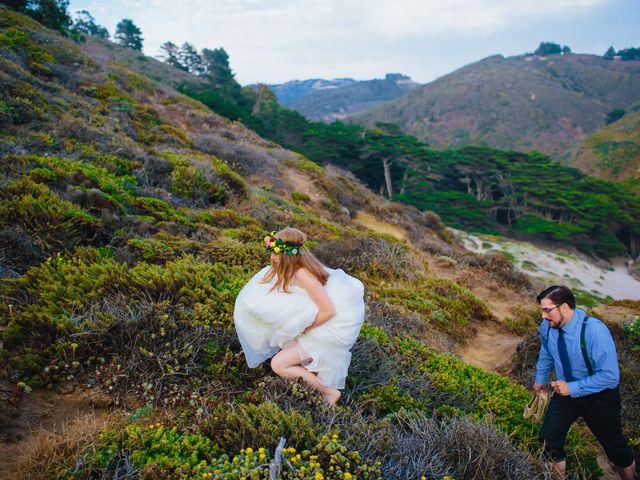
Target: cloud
408	18
277	40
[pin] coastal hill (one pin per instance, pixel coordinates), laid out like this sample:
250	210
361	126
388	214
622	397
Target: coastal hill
528	102
131	215
613	152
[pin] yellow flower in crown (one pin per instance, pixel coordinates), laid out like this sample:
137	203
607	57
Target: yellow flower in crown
275	249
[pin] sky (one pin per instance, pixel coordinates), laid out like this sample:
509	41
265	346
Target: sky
274	41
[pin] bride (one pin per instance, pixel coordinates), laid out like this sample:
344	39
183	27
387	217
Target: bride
307	315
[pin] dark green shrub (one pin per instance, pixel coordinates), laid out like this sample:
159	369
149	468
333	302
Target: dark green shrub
53	223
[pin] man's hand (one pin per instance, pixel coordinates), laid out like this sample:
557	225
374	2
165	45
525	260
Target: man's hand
560	387
539	387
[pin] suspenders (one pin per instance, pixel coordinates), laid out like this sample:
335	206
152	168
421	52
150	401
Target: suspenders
583	344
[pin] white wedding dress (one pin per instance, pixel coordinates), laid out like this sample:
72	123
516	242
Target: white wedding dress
268	321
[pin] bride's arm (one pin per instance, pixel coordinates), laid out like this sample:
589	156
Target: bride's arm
317	292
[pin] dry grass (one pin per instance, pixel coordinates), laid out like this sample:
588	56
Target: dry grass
47	455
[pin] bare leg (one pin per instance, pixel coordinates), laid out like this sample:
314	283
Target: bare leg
287	364
628	473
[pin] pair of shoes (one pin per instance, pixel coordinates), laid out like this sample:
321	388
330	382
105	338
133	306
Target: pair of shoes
536	407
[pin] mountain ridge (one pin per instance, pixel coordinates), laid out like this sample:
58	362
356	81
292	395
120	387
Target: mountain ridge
525	102
328	100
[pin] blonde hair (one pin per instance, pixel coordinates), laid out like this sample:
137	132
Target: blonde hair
288	265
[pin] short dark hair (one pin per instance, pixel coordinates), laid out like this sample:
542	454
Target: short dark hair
558	294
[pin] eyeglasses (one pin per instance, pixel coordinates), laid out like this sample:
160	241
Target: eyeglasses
546	311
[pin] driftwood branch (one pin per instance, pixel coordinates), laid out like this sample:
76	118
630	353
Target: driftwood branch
276	464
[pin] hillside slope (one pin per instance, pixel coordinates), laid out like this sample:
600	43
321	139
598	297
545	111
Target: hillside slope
526	102
613	152
130	218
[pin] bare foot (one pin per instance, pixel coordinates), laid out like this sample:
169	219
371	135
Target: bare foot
331	396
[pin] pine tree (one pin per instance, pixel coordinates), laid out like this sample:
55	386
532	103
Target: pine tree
216	64
128	34
50	13
610	54
191	59
171	55
85	23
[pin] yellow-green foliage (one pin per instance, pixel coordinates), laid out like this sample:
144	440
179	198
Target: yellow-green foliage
200	295
258	424
613	151
229	251
523	321
300	197
488	394
408	375
231	178
151	249
16	39
227	217
158	209
195	165
131	81
54	223
166	452
377	333
188	182
21	101
442	302
291	214
391	398
304	165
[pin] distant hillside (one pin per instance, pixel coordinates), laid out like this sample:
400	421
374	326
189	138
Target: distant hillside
289	91
328	100
526	102
613	152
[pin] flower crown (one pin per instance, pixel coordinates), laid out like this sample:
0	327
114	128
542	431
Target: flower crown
277	245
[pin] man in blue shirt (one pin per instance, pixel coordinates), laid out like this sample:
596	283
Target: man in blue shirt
587	380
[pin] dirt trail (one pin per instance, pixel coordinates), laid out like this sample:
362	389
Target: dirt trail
380	226
491	347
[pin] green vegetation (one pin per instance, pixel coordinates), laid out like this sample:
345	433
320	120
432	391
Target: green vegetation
548	48
128	34
125	244
615	115
474	188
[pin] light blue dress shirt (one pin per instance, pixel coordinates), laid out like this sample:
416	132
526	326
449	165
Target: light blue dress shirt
600	348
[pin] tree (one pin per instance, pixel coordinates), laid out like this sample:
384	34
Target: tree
171	55
566	50
85	23
610	54
627	54
191	59
548	48
216	64
50	13
128	34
